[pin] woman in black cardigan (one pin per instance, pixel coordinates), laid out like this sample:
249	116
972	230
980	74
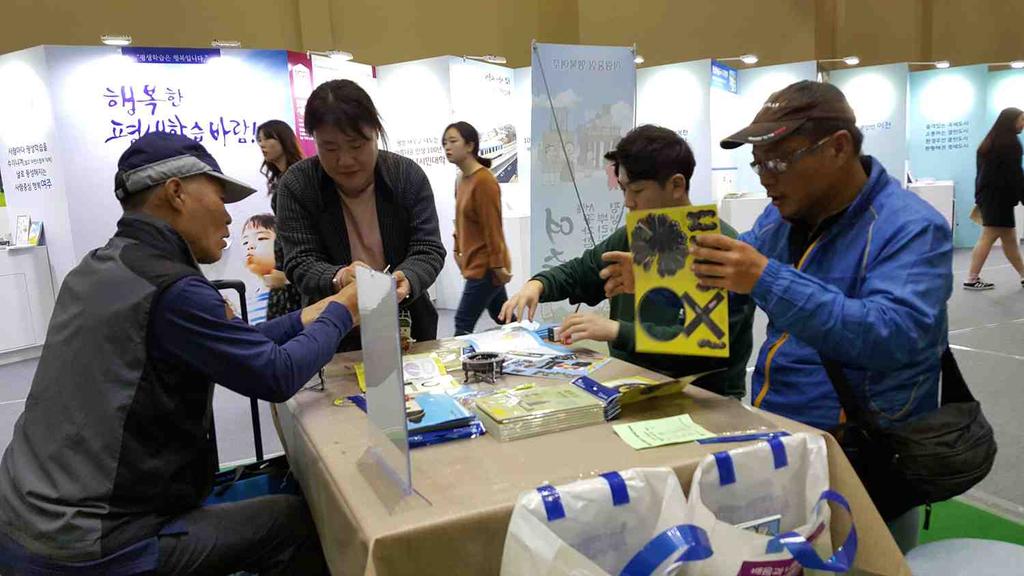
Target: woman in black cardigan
354	204
998	187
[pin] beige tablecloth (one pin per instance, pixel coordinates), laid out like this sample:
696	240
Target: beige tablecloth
467	488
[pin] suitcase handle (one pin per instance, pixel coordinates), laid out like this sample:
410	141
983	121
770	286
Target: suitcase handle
257	434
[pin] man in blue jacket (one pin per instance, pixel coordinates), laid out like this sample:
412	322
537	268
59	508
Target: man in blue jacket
847	265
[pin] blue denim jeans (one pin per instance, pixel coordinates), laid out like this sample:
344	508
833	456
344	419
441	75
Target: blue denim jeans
477	296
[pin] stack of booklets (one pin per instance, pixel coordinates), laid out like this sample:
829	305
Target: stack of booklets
435	418
532	410
439	412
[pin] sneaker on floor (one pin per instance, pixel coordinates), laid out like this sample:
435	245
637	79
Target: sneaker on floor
980	284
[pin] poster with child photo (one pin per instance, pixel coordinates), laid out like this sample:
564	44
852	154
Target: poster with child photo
258	235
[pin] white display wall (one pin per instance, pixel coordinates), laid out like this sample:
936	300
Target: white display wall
326	68
519	205
31	155
878	95
417	101
755	86
678	97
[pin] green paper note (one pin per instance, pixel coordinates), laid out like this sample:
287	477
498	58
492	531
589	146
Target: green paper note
652	433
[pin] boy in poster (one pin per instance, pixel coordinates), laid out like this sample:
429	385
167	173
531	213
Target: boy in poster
258	235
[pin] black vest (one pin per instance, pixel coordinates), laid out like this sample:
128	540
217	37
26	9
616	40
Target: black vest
112	444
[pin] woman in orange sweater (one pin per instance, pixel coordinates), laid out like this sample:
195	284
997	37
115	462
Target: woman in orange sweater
480	249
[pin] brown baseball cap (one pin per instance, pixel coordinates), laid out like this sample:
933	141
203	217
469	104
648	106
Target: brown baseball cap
788	109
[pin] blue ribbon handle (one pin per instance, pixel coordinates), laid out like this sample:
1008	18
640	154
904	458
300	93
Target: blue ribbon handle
726	471
692	540
617	485
778	453
552	502
743	437
804	553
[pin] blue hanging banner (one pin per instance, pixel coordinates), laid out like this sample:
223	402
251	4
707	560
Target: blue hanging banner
724	77
144	55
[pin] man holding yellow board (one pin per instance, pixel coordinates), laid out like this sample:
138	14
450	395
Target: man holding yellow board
653	166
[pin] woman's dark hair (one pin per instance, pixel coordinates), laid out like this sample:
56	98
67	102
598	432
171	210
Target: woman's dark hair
345	106
471	136
282	132
1003	135
651	152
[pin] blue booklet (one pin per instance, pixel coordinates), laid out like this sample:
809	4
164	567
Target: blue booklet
418	438
440	412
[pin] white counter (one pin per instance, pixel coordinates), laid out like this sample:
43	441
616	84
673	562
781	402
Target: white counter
938	193
742	211
26	301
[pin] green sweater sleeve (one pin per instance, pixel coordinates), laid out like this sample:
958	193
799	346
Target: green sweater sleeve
579	280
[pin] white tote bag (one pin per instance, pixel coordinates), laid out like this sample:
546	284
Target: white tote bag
764	508
625	522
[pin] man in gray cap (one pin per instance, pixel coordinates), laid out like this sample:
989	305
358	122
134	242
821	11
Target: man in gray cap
850	268
113	456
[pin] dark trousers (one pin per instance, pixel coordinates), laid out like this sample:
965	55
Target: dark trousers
266	535
478	295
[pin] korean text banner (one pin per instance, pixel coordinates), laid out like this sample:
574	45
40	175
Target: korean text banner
104	100
583	103
946	124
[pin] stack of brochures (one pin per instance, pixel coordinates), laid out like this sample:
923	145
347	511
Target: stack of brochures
435	418
423	370
512	340
438	412
616	393
532	410
578	363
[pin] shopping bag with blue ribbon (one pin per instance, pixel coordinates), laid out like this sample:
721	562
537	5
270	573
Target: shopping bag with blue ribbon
765	509
628	523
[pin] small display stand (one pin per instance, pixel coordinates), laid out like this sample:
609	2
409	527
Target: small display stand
385	464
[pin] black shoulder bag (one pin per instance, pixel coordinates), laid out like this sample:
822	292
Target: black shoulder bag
932	458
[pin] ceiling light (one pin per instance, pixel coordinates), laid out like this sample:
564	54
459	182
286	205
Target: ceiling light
226	44
638	59
848	60
340	55
116	39
746	58
942	64
1017	64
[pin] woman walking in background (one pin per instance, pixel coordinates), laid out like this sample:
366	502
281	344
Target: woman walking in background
280	150
998	187
480	249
